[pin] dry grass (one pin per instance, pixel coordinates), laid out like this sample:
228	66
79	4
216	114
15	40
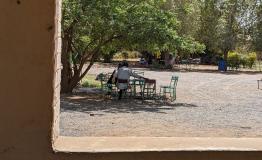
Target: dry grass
90	82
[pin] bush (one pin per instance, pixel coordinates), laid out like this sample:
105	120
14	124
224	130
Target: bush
244	61
251	59
133	55
156	65
234	60
126	55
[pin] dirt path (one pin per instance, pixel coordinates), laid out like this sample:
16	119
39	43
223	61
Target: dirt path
208	104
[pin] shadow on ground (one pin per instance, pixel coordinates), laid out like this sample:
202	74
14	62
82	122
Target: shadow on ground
89	103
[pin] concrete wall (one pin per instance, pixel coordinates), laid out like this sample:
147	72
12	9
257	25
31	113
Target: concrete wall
29	69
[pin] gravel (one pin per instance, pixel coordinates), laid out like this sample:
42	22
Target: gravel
209	104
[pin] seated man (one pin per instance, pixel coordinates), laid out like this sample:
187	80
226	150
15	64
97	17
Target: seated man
123	75
112	79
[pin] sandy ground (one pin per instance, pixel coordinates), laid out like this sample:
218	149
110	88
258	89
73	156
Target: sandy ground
208	105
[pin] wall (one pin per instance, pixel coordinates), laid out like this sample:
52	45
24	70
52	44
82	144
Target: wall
29	69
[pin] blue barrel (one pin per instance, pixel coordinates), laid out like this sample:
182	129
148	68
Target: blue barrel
222	65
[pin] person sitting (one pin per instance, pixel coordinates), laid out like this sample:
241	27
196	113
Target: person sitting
113	79
123	75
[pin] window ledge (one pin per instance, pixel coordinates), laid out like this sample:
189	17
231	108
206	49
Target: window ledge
158	144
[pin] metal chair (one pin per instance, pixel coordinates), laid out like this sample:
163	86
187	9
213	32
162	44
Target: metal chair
170	90
103	78
134	85
149	89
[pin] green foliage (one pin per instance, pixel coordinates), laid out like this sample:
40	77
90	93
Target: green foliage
92	29
257	36
190	46
251	59
127	55
209	27
121	24
161	24
234	60
244	61
229	24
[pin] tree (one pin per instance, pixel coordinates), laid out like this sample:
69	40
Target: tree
226	25
188	14
257	42
230	11
91	28
246	19
208	32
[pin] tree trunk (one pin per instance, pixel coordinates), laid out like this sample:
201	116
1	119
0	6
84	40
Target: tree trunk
67	71
169	59
226	55
65	79
70	78
69	83
72	74
230	39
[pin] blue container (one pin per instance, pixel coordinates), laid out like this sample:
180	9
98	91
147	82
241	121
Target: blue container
222	65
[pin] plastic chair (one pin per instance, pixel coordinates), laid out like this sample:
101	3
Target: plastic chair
171	89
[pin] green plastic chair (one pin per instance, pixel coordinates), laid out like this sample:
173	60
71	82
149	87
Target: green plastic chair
170	90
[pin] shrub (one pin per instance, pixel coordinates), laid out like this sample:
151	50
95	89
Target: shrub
133	55
234	59
156	65
244	61
251	59
126	55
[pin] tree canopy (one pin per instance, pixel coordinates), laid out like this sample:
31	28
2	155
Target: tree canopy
91	28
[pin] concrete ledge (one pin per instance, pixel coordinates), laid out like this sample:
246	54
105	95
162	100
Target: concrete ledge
156	144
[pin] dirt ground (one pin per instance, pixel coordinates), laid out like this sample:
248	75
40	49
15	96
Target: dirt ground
209	104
